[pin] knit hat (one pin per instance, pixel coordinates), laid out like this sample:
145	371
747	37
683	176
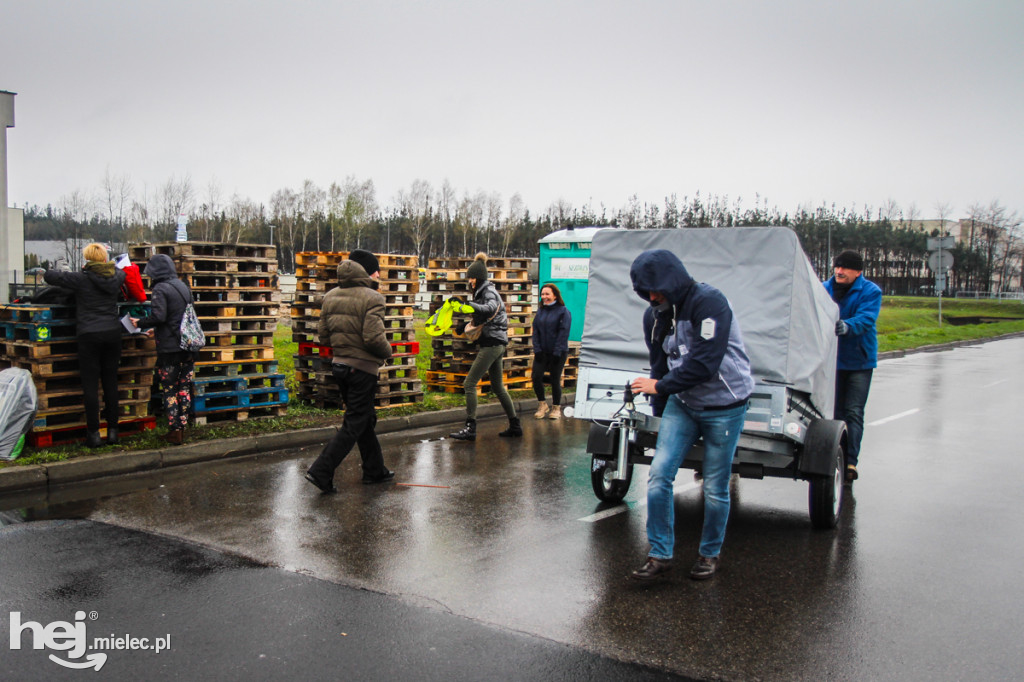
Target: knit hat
851	260
366	259
478	268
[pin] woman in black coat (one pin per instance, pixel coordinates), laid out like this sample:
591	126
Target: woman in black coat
174	367
550	349
98	332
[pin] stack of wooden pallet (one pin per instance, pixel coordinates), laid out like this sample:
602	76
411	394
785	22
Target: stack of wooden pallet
41	339
316	274
238	302
453	355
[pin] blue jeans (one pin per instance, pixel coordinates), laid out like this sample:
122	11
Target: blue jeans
852	386
680	428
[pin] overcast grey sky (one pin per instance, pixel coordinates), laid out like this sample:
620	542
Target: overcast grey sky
803	102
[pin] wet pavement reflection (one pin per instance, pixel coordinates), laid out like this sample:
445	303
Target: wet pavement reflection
921	579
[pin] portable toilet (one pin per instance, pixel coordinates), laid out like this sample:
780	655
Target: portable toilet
565	262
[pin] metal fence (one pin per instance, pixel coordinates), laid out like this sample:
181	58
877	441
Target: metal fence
999	295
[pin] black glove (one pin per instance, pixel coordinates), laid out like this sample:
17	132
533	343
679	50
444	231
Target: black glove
842	328
454	299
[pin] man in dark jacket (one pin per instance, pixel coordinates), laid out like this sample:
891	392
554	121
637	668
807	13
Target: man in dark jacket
860	301
352	323
98	332
700	377
175	367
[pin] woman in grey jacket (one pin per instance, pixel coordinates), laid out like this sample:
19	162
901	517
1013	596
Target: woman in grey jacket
488	310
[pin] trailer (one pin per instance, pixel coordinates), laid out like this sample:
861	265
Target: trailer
787	320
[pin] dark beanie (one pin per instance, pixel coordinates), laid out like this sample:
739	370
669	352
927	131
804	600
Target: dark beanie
366	259
478	268
851	260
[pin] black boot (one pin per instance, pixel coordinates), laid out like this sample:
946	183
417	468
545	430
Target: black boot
112	435
467	433
93	440
514	430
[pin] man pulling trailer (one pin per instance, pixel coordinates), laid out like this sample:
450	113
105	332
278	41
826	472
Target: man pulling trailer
788	323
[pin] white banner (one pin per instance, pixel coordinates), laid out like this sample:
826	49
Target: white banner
570	268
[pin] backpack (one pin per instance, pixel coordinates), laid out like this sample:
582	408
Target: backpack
192	336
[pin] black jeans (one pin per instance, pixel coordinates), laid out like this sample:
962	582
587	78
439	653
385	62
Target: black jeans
99	353
357	390
852	388
553	365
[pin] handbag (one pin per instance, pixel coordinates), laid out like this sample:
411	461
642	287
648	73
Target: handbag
473	331
192	336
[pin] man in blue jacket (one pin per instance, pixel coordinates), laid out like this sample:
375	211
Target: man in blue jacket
701	382
859	301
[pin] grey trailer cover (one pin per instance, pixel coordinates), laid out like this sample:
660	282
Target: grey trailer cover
786	316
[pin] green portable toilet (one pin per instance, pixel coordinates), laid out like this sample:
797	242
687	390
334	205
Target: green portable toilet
565	262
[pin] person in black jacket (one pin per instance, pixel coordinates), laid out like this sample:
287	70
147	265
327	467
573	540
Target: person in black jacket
174	367
487	310
550	349
99	336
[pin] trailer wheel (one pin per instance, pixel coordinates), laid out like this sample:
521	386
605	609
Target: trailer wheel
826	493
607	488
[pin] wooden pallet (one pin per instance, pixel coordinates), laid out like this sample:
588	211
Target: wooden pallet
260	412
74	415
139	253
233	400
56	400
76	433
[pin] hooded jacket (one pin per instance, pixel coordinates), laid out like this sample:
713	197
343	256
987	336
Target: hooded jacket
485	304
859	308
352	320
694	342
169	298
551	327
96	289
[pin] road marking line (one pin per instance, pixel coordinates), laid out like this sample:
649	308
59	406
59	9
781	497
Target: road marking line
893	418
623	508
995	383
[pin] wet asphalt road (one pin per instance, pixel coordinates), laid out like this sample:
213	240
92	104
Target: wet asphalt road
920	581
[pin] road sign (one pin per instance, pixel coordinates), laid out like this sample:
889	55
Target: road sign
936	243
946	261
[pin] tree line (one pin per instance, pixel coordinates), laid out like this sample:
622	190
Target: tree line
433	222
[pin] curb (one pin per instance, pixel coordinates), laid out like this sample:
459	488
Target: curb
89	467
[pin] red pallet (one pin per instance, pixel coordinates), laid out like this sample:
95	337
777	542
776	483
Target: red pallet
74	434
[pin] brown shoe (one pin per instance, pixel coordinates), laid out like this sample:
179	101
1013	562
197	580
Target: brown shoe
851	473
651	569
704	568
542	411
555	413
175	437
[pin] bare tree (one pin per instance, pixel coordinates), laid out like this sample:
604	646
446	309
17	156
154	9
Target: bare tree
73	213
415	207
516	215
445	208
117	198
283	207
493	217
175	198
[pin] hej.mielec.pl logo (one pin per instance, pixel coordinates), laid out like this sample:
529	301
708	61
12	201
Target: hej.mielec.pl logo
71	638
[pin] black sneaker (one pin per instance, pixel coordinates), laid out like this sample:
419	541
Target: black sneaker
651	569
325	488
704	568
383	478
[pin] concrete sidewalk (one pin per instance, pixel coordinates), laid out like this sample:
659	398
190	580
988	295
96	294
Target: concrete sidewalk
88	467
